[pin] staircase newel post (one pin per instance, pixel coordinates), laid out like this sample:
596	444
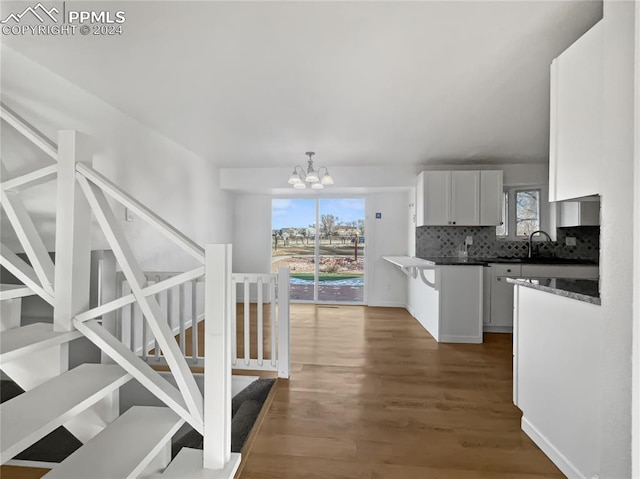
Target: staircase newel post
217	356
73	232
284	323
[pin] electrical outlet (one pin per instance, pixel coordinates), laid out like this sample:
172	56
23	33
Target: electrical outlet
469	240
128	214
570	241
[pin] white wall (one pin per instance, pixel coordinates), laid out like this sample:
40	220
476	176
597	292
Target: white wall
616	242
365	179
635	433
387	236
172	181
411	222
252	234
386	285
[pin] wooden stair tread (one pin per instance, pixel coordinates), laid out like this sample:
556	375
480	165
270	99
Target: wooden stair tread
17	342
124	448
188	465
35	413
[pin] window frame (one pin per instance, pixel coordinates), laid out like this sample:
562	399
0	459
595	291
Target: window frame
543	218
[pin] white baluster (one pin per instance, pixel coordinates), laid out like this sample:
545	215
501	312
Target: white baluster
247	322
234	323
145	331
194	321
182	319
284	340
260	332
272	321
156	350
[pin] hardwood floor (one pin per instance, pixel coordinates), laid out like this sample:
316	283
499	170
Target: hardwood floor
372	395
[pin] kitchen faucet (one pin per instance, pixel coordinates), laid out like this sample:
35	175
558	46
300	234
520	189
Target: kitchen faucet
531	240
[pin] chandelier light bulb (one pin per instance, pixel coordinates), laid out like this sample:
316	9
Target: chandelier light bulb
315	179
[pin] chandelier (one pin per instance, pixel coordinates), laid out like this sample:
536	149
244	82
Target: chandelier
316	178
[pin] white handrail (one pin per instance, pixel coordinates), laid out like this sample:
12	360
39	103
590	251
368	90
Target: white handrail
29	131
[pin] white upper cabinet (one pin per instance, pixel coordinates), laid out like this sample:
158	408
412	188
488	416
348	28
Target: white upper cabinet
459	198
491	197
579	213
433	198
465	198
575	147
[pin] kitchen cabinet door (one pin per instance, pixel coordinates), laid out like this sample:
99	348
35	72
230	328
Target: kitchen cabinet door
433	198
491	197
576	118
465	198
501	303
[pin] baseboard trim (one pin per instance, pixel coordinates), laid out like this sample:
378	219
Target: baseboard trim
487	328
410	310
460	339
552	452
387	304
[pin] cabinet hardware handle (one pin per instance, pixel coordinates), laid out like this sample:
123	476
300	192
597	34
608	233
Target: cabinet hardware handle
508	271
454	222
499	279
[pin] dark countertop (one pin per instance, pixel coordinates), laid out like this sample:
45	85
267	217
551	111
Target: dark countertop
482	261
581	289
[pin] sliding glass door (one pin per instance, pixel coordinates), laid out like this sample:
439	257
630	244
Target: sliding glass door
293	244
341	255
322	242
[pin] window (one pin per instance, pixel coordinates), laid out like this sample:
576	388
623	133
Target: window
521	213
527	212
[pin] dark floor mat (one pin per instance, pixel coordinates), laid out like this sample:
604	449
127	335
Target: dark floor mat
245	408
54	447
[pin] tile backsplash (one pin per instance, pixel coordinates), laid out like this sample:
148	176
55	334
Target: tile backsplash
444	241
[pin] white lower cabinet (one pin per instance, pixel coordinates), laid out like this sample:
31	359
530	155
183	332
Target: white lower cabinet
499	293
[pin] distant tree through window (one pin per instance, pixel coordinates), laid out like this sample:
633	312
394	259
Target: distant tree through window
527	212
521	213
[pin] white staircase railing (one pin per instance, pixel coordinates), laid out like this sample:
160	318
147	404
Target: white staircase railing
260	320
83	192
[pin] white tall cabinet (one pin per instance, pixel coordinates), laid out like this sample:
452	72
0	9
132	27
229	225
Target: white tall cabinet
575	148
459	198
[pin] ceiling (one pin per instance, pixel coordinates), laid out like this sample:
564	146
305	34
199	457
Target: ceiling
256	84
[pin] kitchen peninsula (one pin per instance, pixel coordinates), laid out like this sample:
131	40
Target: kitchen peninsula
447	296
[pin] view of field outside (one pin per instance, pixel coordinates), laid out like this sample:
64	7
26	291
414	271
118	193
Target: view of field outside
341	240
